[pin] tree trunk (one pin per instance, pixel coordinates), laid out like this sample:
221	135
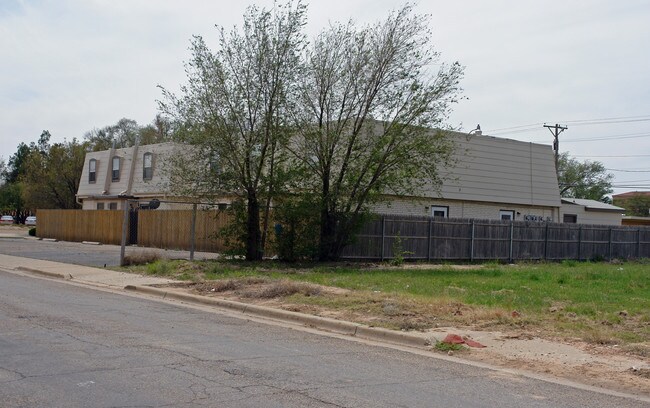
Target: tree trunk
253	237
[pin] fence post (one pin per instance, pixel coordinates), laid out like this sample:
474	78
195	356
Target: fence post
579	242
193	232
429	241
546	242
383	230
638	244
609	245
512	233
125	227
471	244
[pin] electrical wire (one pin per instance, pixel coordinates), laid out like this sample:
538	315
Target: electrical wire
576	122
629	170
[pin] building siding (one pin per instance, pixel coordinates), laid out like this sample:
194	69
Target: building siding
591	217
460	209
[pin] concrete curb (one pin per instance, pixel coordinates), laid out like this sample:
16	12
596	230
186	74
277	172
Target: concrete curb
44	273
317	322
322	323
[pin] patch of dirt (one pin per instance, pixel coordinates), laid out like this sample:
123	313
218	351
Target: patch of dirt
606	365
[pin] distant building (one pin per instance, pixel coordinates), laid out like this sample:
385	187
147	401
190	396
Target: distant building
111	176
581	211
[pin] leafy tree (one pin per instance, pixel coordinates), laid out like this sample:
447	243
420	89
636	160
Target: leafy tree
16	165
125	133
52	174
370	98
11	201
637	205
583	179
234	110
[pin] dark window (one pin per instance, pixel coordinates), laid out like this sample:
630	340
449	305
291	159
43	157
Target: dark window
112	206
439	211
147	166
92	170
506	215
116	168
570	219
100	206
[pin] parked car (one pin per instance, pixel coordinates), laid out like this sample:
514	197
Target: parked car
31	220
6	219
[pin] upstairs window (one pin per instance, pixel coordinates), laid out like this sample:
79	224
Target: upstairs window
147	166
116	169
92	170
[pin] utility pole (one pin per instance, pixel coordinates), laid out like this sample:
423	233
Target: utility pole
555	131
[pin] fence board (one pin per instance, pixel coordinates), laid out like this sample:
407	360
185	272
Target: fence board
464	239
103	226
414	237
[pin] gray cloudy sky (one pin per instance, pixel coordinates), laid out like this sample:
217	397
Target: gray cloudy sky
69	66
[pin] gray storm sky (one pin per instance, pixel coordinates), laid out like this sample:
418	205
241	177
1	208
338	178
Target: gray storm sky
69	66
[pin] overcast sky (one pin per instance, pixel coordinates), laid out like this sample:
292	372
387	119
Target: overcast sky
69	66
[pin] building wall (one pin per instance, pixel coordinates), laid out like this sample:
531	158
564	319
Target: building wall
131	181
462	209
590	217
496	170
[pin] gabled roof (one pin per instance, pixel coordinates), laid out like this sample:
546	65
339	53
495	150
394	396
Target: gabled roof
593	205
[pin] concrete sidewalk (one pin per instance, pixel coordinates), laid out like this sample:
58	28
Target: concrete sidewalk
79	273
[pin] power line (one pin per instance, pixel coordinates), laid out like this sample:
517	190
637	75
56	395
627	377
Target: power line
616	137
629	170
576	122
614	156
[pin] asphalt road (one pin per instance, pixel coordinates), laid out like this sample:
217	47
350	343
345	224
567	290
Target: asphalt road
68	346
78	253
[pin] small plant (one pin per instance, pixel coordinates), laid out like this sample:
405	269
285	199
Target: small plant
141	258
398	252
162	267
446	347
32	232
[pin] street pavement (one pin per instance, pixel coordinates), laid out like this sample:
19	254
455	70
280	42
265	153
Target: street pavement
66	345
16	242
117	281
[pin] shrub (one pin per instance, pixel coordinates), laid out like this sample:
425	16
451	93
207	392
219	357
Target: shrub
32	232
141	258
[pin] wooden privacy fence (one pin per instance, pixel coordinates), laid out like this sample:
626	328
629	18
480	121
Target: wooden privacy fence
103	226
426	238
416	238
172	229
168	229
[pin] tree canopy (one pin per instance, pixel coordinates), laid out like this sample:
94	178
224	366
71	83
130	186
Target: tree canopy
335	124
584	179
234	109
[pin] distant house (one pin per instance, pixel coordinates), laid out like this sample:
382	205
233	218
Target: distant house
581	211
493	178
111	176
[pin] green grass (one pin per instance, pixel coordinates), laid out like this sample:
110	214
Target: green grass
604	302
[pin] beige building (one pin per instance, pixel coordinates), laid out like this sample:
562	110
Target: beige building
493	178
580	211
110	177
